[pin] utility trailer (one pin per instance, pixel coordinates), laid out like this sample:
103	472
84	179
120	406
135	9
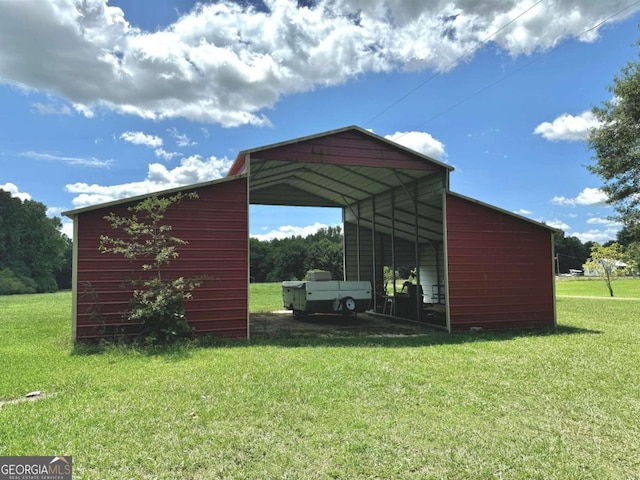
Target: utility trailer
320	294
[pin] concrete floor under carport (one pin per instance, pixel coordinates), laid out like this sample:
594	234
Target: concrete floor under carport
282	324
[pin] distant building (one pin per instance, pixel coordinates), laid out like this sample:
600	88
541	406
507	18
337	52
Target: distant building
616	264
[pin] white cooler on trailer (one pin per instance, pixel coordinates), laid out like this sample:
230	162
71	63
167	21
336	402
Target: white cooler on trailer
320	294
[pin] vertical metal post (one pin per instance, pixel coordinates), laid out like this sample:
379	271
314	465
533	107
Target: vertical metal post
393	248
344	245
417	254
358	239
445	256
374	259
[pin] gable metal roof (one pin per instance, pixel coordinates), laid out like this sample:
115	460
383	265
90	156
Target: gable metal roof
332	169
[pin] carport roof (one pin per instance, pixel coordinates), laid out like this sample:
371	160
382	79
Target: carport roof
337	168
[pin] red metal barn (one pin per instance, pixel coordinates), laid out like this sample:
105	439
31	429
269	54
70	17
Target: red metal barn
474	265
215	225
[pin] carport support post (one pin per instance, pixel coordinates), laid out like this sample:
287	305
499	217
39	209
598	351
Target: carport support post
358	238
417	255
373	244
393	248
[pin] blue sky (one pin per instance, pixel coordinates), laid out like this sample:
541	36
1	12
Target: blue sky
103	100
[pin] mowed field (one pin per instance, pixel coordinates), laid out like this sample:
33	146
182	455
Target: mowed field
549	405
596	287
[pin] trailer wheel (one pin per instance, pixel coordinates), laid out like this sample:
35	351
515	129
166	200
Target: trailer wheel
299	315
348	305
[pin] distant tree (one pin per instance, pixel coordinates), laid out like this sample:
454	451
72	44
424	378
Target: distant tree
324	252
608	262
158	301
31	244
64	272
616	144
632	253
290	258
570	251
260	259
628	234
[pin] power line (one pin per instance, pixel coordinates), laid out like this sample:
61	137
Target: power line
487	87
492	84
450	64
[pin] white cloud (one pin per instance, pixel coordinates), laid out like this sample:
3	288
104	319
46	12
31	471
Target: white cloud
224	62
54	211
164	155
15	192
421	142
182	139
51	109
522	211
588	196
67	227
559	224
81	161
139	138
568	127
604	221
596	235
192	170
290	231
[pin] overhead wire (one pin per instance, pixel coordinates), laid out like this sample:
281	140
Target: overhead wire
505	77
452	63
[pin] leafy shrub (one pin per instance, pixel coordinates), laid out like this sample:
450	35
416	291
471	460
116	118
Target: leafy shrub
160	307
12	283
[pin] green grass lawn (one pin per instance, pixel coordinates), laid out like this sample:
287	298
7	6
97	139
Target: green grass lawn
265	297
596	287
538	405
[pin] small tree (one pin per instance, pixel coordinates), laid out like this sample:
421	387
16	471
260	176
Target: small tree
158	303
607	262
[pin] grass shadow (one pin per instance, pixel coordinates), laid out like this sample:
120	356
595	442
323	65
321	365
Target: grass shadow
387	339
178	351
393	336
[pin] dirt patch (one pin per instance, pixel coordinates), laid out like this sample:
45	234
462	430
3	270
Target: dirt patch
282	323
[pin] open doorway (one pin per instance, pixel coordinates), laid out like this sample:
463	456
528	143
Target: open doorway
288	241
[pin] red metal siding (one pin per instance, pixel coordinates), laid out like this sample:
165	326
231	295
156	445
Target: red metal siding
500	269
351	148
216	227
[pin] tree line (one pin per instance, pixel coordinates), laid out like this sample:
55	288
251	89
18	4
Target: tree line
290	258
34	255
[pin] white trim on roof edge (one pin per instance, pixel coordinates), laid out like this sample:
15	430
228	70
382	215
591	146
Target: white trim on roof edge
72	213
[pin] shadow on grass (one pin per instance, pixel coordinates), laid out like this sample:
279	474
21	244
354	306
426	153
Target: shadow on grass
385	338
178	351
429	337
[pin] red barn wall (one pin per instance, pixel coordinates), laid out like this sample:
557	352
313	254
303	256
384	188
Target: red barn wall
500	269
215	225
